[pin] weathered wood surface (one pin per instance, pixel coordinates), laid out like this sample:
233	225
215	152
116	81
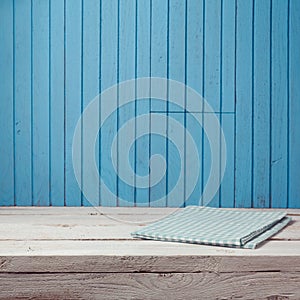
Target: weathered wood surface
276	249
52	210
85	253
92	224
265	285
155	263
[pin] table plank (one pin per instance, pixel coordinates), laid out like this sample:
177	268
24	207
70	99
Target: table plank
93	227
17	210
139	248
276	285
217	263
81	252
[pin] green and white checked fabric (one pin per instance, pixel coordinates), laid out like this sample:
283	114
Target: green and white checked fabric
215	226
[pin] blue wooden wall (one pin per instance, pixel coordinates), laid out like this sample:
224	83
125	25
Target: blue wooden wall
242	56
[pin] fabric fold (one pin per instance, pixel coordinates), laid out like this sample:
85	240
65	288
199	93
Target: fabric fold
216	226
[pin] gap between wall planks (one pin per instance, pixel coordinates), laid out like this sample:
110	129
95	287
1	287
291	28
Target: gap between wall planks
242	56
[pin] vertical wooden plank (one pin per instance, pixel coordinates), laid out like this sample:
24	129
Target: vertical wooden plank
126	67
243	144
194	79
294	105
6	104
279	104
176	48
40	155
22	126
90	73
143	59
261	109
73	57
57	102
109	57
159	68
227	184
228	99
48	82
212	78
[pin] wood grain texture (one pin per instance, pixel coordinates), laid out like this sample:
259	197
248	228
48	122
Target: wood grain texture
218	263
65	253
242	56
7	104
194	79
90	81
151	286
40	103
57	111
93	227
73	90
17	210
131	247
244	109
176	71
23	93
126	70
143	69
227	98
294	104
109	73
91	223
261	105
279	104
211	88
87	210
159	65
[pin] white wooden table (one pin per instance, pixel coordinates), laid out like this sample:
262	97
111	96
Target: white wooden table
67	253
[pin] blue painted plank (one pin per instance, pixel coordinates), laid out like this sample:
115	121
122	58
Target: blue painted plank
227	184
22	126
243	144
40	117
159	68
90	73
194	54
177	71
194	79
279	104
261	109
228	100
143	38
73	69
294	105
143	60
6	104
57	102
211	81
126	67
109	58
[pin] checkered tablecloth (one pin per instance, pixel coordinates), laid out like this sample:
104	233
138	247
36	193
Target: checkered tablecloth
216	226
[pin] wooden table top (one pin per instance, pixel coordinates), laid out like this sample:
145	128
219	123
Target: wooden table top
88	240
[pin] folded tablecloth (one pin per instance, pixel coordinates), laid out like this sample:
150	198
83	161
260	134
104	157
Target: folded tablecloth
216	226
